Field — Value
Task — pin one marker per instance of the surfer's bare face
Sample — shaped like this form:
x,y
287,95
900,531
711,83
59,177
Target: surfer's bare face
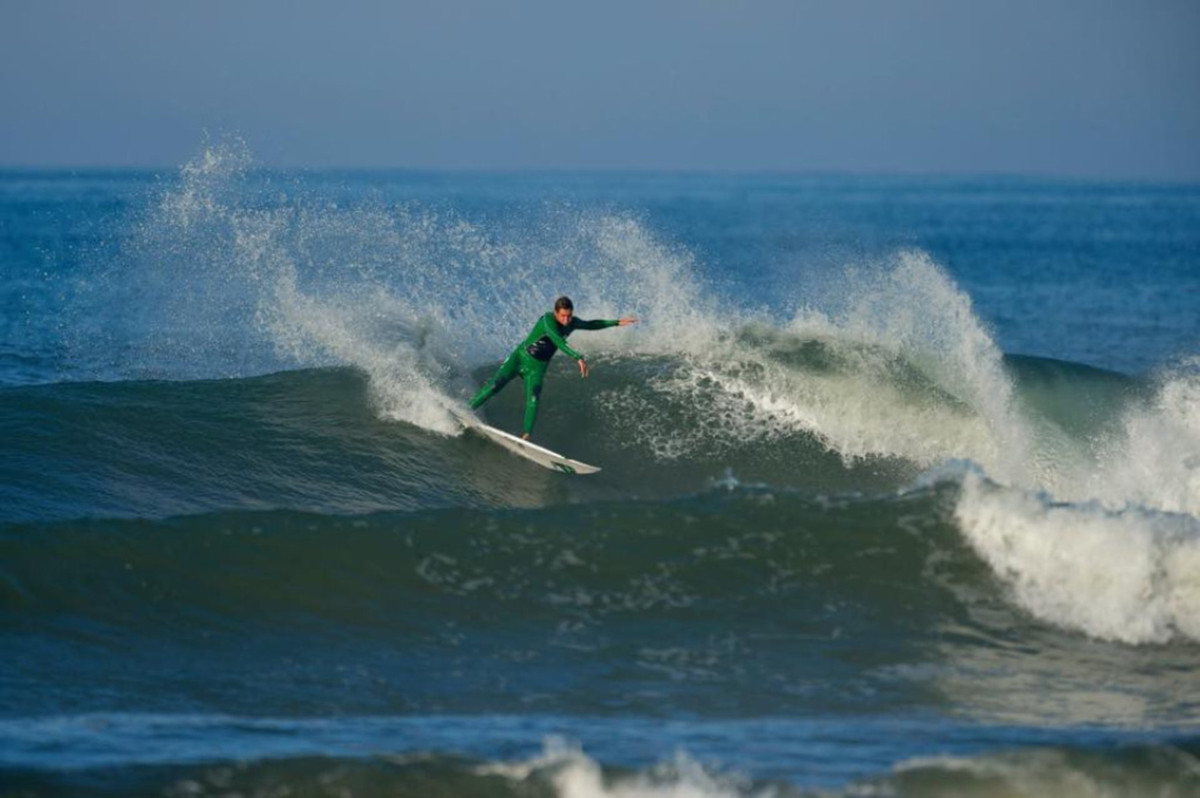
x,y
563,316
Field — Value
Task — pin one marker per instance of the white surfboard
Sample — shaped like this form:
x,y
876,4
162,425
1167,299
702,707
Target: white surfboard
x,y
530,451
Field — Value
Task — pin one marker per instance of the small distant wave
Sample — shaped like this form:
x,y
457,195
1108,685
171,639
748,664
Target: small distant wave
x,y
565,769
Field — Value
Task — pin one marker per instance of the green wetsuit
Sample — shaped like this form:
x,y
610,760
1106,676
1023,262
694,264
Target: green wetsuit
x,y
531,357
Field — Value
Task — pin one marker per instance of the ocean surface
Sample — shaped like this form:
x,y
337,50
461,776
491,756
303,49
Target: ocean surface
x,y
900,490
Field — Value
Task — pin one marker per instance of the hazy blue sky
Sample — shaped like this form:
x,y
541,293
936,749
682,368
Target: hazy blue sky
x,y
1087,87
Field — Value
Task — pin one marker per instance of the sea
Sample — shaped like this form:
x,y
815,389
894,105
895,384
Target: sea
x,y
900,490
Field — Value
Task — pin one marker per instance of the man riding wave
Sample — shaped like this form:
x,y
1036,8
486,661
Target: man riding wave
x,y
532,356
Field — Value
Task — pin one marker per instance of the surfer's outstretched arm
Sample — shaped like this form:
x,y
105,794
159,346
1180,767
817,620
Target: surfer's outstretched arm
x,y
594,324
601,324
598,324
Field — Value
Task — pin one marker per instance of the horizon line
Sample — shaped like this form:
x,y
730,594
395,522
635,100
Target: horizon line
x,y
983,174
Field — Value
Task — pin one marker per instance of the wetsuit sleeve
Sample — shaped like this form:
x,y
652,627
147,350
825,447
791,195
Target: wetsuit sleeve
x,y
598,324
556,339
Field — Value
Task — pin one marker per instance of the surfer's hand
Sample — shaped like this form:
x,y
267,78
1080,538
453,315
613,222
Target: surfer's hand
x,y
621,322
583,367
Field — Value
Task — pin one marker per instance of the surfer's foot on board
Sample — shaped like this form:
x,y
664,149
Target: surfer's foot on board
x,y
525,437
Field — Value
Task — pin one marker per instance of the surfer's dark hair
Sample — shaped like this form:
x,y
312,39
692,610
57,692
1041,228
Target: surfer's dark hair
x,y
564,303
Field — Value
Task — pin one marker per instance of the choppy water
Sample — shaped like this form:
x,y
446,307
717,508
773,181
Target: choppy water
x,y
901,487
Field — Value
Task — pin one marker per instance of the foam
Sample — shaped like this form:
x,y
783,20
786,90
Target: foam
x,y
904,315
1040,771
573,774
1131,575
1155,461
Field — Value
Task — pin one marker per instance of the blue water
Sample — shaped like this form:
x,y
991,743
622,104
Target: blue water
x,y
900,488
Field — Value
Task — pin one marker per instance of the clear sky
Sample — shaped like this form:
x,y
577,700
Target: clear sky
x,y
1094,88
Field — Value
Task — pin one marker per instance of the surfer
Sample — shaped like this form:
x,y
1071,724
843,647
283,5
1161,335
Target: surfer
x,y
532,355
